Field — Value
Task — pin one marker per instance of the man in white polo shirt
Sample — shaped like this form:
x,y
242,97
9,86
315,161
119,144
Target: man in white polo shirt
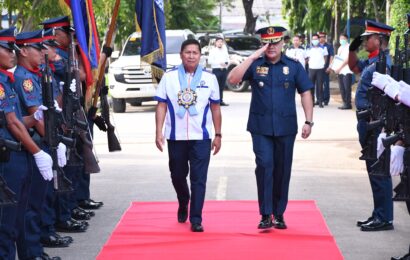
x,y
296,51
317,59
188,102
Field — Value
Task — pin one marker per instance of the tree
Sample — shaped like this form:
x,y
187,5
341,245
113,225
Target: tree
x,y
398,20
250,19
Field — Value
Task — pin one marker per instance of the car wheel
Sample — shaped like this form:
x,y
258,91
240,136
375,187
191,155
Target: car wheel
x,y
118,105
240,87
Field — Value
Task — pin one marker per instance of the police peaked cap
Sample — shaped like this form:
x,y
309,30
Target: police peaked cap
x,y
8,38
271,34
373,27
49,37
61,22
33,39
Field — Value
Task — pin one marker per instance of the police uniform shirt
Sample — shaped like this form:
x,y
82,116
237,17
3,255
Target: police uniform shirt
x,y
317,57
28,87
8,101
273,106
367,67
330,51
298,54
196,127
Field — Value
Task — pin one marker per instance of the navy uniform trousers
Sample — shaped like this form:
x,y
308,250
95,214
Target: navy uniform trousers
x,y
274,155
15,173
382,188
190,157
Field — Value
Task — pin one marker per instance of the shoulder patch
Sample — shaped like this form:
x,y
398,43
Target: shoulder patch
x,y
28,85
2,92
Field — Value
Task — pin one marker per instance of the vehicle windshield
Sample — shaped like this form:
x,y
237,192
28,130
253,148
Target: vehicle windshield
x,y
133,47
243,43
174,44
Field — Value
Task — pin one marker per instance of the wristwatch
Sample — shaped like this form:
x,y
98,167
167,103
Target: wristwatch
x,y
310,123
218,135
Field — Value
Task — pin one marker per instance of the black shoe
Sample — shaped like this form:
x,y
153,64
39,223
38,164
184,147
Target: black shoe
x,y
266,222
195,227
405,257
224,104
347,107
279,222
316,103
44,256
326,103
364,222
54,240
182,213
321,105
377,225
81,214
90,204
71,226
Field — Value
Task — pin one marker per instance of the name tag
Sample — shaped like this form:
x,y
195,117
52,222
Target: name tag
x,y
262,71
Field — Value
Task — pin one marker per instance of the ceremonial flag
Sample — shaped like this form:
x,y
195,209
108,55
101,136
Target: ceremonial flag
x,y
151,23
86,34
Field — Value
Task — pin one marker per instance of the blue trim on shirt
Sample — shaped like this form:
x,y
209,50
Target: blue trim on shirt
x,y
156,98
214,101
205,132
172,115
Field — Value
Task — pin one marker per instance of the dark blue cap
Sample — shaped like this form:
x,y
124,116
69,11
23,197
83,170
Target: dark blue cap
x,y
271,34
61,22
373,27
49,37
8,38
33,39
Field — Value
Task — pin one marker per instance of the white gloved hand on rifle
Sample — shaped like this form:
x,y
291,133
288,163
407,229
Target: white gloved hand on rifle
x,y
61,155
380,81
39,115
380,146
44,164
404,93
73,86
396,160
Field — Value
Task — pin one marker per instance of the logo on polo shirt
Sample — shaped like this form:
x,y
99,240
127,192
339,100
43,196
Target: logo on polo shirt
x,y
28,85
2,93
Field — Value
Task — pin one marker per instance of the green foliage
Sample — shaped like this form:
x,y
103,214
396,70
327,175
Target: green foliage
x,y
398,20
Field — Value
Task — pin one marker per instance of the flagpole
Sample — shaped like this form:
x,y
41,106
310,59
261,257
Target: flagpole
x,y
103,61
348,21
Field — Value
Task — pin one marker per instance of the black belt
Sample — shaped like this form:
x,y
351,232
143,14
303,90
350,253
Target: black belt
x,y
219,69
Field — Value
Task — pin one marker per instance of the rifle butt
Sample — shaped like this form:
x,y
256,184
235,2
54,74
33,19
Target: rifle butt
x,y
113,143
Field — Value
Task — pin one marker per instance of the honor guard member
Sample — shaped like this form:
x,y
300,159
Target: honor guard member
x,y
28,86
82,180
49,237
188,102
376,35
18,172
329,60
272,122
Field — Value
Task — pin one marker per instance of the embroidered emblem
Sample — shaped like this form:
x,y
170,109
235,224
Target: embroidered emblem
x,y
28,85
2,93
262,71
271,30
187,98
286,70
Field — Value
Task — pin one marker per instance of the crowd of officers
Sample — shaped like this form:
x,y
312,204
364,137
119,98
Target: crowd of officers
x,y
32,211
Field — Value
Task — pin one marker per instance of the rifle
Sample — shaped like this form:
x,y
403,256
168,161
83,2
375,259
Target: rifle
x,y
52,123
7,196
113,143
80,123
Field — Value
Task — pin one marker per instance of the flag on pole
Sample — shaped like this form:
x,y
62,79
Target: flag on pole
x,y
151,23
86,34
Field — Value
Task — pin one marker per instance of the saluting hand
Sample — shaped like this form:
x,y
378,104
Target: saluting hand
x,y
216,145
306,130
159,141
259,52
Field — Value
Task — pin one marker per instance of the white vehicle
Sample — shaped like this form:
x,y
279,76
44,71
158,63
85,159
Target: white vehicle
x,y
129,80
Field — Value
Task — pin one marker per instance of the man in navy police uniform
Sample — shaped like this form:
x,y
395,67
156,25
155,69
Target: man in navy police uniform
x,y
274,78
376,36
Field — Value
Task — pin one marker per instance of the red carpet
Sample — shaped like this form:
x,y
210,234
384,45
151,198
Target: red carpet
x,y
149,230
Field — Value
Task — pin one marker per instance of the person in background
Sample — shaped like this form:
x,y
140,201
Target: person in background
x,y
218,59
344,74
317,59
296,51
329,59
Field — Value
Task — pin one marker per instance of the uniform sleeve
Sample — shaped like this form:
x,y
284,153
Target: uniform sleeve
x,y
214,97
5,103
331,51
361,64
161,93
248,73
303,82
27,93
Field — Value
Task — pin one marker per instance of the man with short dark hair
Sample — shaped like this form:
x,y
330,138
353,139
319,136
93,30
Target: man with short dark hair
x,y
218,59
188,103
329,60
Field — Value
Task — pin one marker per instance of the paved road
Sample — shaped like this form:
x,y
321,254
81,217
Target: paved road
x,y
325,169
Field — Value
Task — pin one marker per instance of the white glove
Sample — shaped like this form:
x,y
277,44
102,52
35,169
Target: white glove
x,y
73,86
404,93
39,115
44,164
380,80
61,86
392,89
61,155
396,160
58,108
380,146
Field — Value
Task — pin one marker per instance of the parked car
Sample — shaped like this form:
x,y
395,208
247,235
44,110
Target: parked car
x,y
240,46
130,81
